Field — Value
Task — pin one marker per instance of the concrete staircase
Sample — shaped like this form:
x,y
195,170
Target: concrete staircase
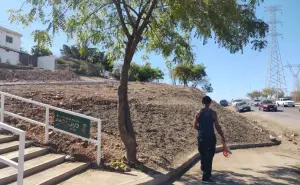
x,y
40,167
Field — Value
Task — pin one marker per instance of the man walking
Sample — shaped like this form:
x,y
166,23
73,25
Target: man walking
x,y
204,122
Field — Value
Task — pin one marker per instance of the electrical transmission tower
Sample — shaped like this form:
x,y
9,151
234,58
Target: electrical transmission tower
x,y
295,75
275,72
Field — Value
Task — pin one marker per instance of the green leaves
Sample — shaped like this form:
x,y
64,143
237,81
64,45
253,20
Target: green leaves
x,y
144,73
167,30
187,72
42,38
269,92
141,73
40,51
254,94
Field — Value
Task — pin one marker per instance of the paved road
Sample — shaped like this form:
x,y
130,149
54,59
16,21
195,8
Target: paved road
x,y
261,166
289,116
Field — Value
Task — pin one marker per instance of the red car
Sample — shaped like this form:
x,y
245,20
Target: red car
x,y
267,105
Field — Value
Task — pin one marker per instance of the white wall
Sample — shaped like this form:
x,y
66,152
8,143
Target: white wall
x,y
47,62
10,56
16,45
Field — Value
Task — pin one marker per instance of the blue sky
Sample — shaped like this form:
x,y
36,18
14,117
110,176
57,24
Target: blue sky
x,y
232,75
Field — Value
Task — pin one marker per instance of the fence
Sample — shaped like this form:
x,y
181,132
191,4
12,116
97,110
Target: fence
x,y
47,125
20,165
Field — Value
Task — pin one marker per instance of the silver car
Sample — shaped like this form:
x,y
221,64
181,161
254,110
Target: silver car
x,y
242,107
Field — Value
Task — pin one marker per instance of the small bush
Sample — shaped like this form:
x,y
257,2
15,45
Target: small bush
x,y
82,70
61,61
116,74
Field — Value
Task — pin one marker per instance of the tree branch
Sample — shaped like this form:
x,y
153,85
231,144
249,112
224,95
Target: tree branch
x,y
130,7
148,15
25,2
141,4
128,14
122,21
141,12
65,10
95,11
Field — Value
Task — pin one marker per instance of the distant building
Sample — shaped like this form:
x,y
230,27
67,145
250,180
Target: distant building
x,y
10,45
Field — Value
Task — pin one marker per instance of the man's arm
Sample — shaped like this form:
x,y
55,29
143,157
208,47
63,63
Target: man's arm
x,y
196,117
218,127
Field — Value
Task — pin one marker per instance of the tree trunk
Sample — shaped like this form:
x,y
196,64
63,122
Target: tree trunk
x,y
124,120
185,83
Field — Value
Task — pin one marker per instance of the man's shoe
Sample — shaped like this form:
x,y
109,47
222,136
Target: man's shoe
x,y
210,181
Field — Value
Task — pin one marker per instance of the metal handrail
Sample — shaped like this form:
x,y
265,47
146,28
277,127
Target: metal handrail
x,y
46,123
20,165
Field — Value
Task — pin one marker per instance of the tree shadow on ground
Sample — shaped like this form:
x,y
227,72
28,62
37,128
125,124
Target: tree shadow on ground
x,y
272,176
137,167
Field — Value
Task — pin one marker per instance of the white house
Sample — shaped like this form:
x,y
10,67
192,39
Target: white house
x,y
10,45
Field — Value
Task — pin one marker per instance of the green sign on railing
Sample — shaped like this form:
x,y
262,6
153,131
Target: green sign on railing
x,y
73,124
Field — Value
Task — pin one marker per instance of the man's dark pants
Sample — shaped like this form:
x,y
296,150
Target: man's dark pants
x,y
207,149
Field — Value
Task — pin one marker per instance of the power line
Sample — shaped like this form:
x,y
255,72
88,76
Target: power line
x,y
275,72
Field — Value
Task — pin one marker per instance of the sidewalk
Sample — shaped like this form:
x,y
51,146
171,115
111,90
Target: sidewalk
x,y
93,177
261,166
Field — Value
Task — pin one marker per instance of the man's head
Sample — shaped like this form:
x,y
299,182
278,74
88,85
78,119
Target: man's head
x,y
206,100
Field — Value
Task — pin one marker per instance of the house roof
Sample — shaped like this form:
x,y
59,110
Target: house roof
x,y
10,31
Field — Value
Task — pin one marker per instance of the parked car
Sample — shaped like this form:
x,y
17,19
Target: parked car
x,y
234,102
242,106
224,103
255,103
285,102
267,105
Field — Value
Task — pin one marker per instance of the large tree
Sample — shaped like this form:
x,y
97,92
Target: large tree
x,y
250,95
254,94
40,51
296,96
269,92
183,72
165,26
189,73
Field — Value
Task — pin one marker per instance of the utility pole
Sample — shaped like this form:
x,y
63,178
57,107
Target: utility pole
x,y
295,74
275,72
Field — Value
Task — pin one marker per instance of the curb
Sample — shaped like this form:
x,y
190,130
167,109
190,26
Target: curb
x,y
190,162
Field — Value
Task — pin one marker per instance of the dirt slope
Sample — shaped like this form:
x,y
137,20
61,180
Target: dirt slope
x,y
162,117
16,75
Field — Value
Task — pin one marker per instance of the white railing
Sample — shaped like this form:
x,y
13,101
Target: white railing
x,y
46,123
20,165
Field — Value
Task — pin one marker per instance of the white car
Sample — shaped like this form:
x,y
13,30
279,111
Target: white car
x,y
234,102
255,103
285,102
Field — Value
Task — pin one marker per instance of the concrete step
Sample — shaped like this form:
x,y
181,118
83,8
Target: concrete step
x,y
9,174
55,175
12,146
30,153
7,138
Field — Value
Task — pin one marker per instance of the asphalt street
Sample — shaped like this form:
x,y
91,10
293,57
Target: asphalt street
x,y
278,165
289,116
